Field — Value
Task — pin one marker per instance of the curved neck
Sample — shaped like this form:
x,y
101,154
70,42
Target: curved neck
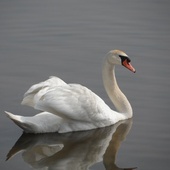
x,y
115,94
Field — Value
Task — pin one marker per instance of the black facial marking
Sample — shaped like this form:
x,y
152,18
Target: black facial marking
x,y
123,58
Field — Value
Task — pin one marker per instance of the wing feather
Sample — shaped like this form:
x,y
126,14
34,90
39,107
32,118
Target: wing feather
x,y
69,101
72,102
30,97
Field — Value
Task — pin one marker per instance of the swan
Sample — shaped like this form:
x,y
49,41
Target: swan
x,y
73,107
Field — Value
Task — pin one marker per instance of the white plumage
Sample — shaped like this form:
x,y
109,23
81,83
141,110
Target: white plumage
x,y
73,107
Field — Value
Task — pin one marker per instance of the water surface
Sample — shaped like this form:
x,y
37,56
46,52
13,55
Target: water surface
x,y
69,39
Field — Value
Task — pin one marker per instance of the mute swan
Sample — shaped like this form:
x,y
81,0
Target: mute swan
x,y
73,107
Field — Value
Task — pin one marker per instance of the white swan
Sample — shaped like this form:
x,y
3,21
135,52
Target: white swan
x,y
73,107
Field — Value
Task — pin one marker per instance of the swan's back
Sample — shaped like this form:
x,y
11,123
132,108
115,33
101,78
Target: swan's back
x,y
69,101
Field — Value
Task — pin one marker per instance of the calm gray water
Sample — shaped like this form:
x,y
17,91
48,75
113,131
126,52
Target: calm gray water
x,y
69,39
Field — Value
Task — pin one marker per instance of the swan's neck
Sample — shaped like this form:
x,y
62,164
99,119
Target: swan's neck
x,y
115,94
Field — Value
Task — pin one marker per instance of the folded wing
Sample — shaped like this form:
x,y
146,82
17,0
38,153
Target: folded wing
x,y
69,101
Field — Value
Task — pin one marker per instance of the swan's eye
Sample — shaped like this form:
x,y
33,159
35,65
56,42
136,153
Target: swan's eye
x,y
128,60
123,58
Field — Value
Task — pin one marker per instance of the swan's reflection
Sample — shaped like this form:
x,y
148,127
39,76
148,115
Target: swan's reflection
x,y
77,150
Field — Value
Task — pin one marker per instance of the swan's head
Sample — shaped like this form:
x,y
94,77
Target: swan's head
x,y
120,58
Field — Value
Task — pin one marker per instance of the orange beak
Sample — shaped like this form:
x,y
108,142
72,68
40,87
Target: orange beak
x,y
128,66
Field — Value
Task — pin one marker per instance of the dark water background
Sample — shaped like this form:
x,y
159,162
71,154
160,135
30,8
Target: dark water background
x,y
69,39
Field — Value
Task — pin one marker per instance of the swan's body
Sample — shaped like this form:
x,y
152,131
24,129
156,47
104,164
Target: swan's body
x,y
73,107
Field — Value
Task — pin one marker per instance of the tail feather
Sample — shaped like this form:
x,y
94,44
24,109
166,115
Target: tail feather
x,y
15,118
26,126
